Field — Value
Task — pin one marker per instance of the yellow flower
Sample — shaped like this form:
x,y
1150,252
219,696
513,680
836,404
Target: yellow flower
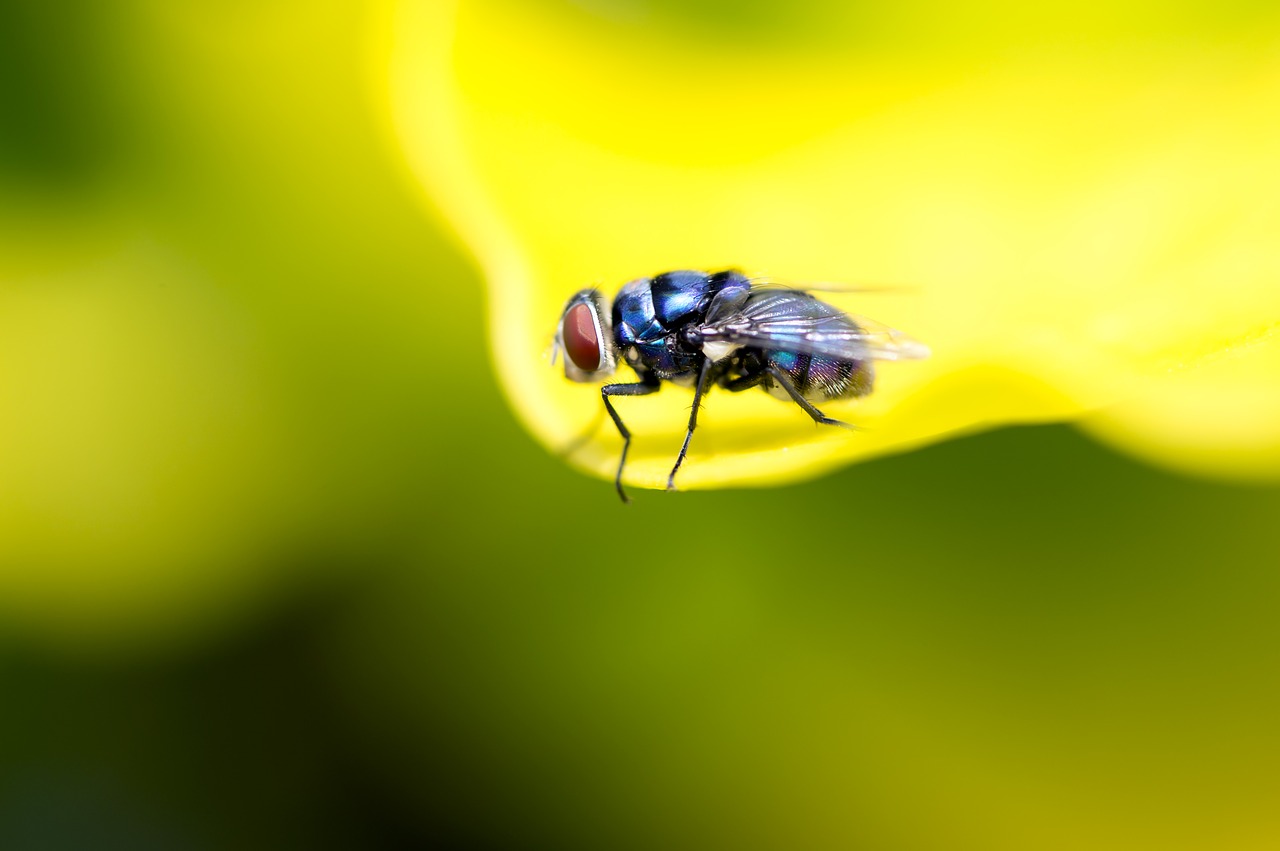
x,y
1083,211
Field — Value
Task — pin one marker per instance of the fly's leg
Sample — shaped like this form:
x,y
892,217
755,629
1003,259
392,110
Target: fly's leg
x,y
642,388
743,382
780,376
703,371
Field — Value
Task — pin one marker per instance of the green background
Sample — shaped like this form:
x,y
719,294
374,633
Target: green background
x,y
279,569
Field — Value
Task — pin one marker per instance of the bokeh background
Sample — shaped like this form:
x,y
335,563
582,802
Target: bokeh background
x,y
278,567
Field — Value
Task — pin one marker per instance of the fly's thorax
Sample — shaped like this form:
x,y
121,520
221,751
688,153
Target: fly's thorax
x,y
685,295
650,313
668,358
681,295
634,320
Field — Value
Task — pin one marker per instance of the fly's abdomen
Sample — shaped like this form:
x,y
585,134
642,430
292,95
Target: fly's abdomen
x,y
818,378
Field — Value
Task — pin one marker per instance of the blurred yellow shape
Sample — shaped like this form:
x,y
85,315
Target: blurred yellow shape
x,y
137,425
199,340
1087,226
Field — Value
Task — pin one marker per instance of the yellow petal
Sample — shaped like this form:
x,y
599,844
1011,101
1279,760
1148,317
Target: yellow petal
x,y
1083,214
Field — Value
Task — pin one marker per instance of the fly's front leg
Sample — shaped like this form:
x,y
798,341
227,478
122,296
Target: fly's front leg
x,y
641,388
780,376
698,390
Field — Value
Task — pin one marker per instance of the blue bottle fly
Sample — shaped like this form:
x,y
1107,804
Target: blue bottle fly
x,y
698,329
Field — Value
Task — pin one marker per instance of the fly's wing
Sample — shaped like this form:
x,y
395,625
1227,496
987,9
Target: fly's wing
x,y
794,321
831,287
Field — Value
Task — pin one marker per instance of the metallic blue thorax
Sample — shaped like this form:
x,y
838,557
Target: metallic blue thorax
x,y
649,311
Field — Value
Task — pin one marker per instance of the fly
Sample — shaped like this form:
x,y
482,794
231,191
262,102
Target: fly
x,y
698,328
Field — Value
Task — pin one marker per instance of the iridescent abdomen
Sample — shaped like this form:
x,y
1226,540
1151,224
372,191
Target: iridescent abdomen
x,y
819,378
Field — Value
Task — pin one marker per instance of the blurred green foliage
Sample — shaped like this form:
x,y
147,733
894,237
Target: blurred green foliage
x,y
56,129
951,28
278,569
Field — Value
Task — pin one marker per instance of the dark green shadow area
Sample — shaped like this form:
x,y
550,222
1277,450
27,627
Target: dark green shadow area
x,y
59,117
527,668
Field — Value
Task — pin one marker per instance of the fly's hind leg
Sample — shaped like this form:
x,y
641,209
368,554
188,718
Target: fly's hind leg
x,y
742,382
780,375
704,370
641,388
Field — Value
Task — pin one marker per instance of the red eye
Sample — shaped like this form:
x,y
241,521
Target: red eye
x,y
581,343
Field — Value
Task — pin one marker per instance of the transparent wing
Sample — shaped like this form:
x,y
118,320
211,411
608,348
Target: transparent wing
x,y
794,321
831,287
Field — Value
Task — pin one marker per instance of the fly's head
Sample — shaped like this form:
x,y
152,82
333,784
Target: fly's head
x,y
585,336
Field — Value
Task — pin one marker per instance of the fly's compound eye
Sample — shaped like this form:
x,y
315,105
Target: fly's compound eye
x,y
581,337
585,337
